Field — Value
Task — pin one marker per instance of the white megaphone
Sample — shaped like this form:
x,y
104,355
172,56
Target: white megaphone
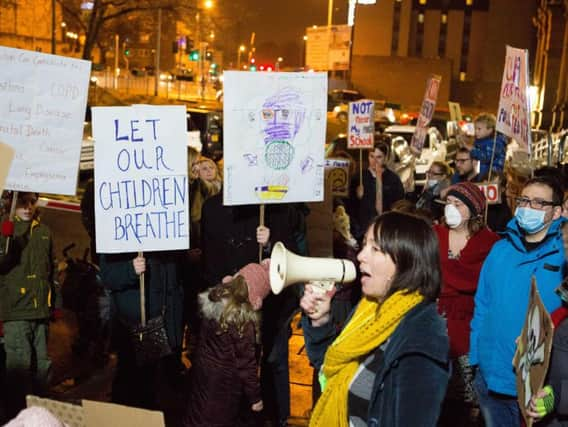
x,y
287,268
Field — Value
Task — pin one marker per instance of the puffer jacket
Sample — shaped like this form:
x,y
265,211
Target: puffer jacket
x,y
26,272
502,299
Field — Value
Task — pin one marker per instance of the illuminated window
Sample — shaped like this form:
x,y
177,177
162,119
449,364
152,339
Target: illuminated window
x,y
422,1
421,18
462,76
444,18
468,2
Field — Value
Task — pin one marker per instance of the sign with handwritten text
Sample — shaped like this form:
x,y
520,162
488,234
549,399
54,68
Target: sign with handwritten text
x,y
338,174
42,109
141,187
514,113
361,129
426,113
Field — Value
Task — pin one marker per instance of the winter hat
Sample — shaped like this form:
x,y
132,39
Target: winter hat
x,y
258,282
35,416
470,195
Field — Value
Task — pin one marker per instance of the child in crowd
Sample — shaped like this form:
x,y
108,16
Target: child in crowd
x,y
485,140
225,385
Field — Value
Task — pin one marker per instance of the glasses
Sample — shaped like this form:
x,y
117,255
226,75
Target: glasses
x,y
534,203
432,173
462,160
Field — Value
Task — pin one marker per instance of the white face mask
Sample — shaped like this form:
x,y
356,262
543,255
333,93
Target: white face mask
x,y
431,183
452,215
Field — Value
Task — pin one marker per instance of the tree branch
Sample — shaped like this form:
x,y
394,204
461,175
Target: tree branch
x,y
73,13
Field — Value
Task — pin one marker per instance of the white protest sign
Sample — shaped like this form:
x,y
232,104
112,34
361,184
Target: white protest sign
x,y
361,128
6,157
274,127
141,186
491,191
513,113
426,112
42,109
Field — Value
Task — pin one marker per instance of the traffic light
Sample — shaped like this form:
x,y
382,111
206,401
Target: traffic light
x,y
253,67
208,55
126,51
194,55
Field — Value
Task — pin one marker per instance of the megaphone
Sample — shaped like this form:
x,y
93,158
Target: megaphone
x,y
287,268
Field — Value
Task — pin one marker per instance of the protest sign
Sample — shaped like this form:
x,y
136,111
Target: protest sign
x,y
513,113
491,192
338,175
42,99
426,113
6,157
361,127
455,111
533,351
141,187
274,137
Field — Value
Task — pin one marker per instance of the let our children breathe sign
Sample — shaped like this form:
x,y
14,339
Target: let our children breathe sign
x,y
141,187
42,109
274,127
361,130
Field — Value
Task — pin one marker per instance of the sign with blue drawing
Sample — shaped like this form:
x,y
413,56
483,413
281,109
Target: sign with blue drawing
x,y
274,136
361,127
141,187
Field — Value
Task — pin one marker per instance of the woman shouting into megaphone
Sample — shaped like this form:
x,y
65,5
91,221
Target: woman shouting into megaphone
x,y
389,365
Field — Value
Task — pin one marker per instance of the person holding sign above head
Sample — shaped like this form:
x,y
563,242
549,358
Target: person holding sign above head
x,y
465,242
389,365
135,384
532,246
26,273
376,193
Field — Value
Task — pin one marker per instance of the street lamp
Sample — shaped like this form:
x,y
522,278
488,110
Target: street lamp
x,y
278,62
208,4
241,49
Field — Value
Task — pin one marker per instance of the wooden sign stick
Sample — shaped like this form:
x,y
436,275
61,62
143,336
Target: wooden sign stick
x,y
142,296
11,216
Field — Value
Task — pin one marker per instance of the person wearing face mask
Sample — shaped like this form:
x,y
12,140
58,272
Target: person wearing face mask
x,y
532,246
438,180
465,242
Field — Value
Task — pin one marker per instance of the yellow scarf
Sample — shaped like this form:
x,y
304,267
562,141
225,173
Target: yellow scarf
x,y
371,325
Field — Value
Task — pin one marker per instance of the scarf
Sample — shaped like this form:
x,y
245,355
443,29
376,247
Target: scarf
x,y
371,325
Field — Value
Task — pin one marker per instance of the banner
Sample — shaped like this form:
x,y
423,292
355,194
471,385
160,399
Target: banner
x,y
141,186
514,113
426,113
361,127
42,103
274,137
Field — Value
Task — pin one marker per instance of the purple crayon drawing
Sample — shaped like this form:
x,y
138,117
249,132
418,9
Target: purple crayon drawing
x,y
307,164
251,158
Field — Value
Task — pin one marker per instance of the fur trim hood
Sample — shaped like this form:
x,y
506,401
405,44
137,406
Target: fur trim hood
x,y
209,309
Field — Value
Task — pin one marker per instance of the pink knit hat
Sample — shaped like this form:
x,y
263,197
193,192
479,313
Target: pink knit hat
x,y
258,282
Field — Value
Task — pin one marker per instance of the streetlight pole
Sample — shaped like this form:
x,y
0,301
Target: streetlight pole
x,y
242,48
53,27
157,59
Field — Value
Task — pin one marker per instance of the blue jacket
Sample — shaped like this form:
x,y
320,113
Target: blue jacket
x,y
483,149
502,298
410,384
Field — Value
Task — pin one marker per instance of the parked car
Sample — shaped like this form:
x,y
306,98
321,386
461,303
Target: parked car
x,y
434,149
185,74
87,157
342,96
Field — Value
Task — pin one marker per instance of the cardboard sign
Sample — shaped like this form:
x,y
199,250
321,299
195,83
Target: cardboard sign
x,y
42,100
513,113
361,126
338,175
533,351
109,414
455,111
274,127
491,191
141,186
426,113
6,157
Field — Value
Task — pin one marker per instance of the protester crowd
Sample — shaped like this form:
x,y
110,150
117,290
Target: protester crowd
x,y
425,336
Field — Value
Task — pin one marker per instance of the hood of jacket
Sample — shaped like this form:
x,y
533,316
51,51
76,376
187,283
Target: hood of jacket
x,y
516,236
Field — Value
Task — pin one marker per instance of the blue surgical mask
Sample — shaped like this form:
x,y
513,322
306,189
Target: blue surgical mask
x,y
529,219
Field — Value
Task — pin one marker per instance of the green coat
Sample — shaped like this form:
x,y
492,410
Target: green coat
x,y
26,272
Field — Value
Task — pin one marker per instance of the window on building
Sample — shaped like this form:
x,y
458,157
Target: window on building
x,y
443,34
396,27
465,41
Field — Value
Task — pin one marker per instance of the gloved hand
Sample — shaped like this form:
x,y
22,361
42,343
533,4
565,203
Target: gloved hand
x,y
542,403
8,228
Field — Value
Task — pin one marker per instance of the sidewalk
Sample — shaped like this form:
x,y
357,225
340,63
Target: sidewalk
x,y
76,379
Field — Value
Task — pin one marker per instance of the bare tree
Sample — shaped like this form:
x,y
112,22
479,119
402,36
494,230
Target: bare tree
x,y
101,12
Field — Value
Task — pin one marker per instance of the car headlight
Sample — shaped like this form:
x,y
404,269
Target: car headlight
x,y
336,109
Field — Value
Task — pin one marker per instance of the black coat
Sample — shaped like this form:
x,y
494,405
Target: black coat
x,y
411,381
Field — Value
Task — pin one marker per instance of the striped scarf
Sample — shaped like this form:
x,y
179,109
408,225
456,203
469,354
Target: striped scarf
x,y
371,325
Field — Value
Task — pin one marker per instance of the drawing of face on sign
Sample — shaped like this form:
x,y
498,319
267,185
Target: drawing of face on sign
x,y
282,117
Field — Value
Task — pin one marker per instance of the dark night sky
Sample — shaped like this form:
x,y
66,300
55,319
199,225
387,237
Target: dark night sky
x,y
280,25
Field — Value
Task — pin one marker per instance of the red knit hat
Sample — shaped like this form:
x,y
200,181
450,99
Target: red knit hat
x,y
258,282
470,195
